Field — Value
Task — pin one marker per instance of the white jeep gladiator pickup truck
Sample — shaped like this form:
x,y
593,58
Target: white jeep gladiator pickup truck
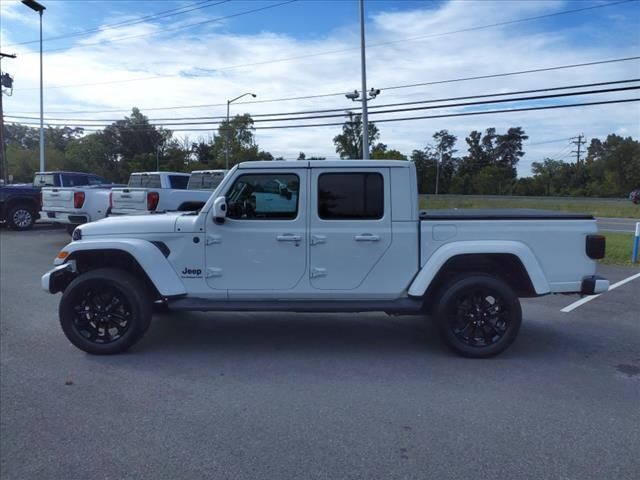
x,y
157,192
346,236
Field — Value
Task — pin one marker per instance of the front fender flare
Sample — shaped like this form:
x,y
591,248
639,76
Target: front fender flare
x,y
428,272
148,256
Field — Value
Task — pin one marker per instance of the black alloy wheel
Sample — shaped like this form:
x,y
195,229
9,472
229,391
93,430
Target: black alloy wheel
x,y
478,315
105,311
102,316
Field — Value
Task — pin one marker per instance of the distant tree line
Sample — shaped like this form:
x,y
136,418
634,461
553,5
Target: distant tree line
x,y
487,165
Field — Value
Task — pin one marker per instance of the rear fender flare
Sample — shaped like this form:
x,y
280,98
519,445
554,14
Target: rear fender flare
x,y
429,271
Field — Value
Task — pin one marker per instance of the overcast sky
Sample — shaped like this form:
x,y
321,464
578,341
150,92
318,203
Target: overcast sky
x,y
304,48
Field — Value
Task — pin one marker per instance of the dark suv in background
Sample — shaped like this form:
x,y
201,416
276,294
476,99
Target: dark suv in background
x,y
20,204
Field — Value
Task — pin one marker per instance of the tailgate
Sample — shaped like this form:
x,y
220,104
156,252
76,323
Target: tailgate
x,y
129,198
53,198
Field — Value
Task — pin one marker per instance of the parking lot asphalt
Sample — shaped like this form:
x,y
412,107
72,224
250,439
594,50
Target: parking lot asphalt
x,y
243,396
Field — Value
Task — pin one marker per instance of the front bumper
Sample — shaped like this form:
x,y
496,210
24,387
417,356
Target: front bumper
x,y
56,279
593,285
67,218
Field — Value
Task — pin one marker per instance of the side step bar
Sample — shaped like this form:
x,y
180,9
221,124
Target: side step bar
x,y
399,306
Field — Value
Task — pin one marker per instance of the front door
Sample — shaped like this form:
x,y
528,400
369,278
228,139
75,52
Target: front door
x,y
350,225
262,243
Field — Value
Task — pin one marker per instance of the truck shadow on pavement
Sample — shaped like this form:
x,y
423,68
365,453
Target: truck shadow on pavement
x,y
349,334
290,332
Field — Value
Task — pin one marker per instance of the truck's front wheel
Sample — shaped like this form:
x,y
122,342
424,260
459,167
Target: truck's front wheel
x,y
104,311
478,315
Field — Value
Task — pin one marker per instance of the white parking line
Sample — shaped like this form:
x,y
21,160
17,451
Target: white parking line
x,y
584,300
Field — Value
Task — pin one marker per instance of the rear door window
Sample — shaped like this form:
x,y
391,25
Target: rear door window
x,y
350,196
96,180
178,182
74,180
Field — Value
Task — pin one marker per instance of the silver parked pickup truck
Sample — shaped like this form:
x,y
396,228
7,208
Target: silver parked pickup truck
x,y
323,236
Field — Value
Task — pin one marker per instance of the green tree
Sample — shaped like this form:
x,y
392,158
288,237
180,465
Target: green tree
x,y
349,142
381,152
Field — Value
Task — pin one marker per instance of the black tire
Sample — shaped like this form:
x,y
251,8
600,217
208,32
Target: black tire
x,y
21,217
105,311
70,229
477,315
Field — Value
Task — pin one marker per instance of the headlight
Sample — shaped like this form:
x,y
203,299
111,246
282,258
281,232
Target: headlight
x,y
77,234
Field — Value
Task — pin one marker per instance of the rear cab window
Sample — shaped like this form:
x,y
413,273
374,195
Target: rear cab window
x,y
205,180
147,180
351,196
45,180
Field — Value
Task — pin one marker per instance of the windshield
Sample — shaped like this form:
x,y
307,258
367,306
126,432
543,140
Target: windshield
x,y
146,180
205,180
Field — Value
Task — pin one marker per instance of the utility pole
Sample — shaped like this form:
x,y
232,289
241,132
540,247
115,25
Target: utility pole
x,y
365,117
579,142
438,162
5,81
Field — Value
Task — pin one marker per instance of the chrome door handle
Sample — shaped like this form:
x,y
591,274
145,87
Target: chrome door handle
x,y
289,238
367,237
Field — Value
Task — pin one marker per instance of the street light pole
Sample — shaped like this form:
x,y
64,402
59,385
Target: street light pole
x,y
33,5
228,133
41,102
365,118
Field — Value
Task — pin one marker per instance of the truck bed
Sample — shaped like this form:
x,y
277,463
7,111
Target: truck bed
x,y
501,214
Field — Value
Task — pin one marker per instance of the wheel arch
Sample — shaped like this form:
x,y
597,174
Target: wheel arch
x,y
28,201
143,259
513,262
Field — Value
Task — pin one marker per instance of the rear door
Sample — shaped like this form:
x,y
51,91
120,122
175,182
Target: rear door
x,y
350,225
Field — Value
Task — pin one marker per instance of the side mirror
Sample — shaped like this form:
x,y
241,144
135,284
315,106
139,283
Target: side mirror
x,y
219,210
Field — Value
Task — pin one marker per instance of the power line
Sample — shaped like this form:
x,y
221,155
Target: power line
x,y
170,29
128,23
405,40
551,141
417,102
437,82
179,122
385,120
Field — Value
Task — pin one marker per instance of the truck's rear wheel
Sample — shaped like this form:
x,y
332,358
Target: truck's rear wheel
x,y
478,315
104,311
21,217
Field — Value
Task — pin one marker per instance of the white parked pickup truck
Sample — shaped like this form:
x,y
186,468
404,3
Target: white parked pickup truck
x,y
73,206
347,236
158,192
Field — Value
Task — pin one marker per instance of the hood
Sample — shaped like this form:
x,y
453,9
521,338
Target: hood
x,y
154,223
